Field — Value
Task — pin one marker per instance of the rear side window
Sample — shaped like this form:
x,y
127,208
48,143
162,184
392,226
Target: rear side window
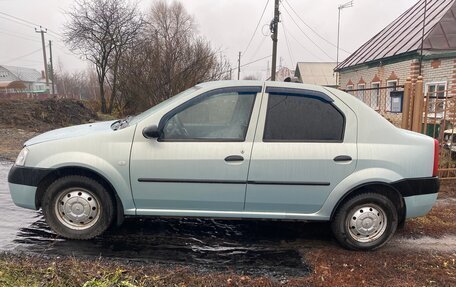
x,y
293,117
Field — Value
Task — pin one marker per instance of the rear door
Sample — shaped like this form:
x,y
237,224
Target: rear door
x,y
304,146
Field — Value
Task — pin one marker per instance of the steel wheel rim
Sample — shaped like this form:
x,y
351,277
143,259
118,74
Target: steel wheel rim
x,y
77,208
366,223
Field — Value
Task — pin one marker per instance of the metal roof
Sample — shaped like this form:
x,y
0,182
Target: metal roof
x,y
23,74
404,34
316,73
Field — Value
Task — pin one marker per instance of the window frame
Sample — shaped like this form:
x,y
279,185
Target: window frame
x,y
360,93
308,94
349,89
388,94
435,97
254,90
377,107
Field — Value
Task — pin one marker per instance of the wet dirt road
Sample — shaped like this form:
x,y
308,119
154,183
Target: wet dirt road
x,y
246,247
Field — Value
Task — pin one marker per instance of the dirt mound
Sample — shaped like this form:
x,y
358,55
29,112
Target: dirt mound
x,y
43,115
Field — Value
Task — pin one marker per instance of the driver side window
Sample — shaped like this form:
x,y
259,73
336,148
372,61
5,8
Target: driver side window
x,y
217,117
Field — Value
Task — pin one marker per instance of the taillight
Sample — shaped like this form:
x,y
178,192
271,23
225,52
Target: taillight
x,y
435,170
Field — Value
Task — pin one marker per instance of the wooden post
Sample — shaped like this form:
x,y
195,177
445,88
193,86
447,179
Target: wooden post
x,y
418,103
406,104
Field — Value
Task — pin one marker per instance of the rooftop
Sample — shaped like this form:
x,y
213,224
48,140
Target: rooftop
x,y
316,73
404,35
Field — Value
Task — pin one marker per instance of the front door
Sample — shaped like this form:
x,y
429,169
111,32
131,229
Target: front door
x,y
304,147
201,160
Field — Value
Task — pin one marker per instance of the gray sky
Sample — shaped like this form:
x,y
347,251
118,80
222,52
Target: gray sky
x,y
227,24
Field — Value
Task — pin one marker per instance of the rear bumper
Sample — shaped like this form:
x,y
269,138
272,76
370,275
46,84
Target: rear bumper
x,y
419,194
417,186
419,205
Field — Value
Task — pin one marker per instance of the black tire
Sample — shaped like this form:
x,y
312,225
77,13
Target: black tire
x,y
357,224
74,193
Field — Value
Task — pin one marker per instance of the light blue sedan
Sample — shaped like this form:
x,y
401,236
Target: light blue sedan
x,y
234,149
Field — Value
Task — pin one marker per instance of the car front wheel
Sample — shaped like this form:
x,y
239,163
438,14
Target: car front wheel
x,y
365,222
78,207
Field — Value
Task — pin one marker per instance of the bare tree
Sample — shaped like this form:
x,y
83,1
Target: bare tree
x,y
100,31
168,58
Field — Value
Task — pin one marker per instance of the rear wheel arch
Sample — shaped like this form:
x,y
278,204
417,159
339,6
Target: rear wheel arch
x,y
82,171
375,187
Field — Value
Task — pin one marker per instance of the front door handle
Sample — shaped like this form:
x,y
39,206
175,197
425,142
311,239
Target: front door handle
x,y
232,158
342,158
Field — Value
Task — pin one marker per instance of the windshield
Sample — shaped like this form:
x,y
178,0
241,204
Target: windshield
x,y
169,101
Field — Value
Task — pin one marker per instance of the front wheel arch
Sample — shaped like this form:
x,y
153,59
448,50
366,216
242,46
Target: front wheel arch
x,y
75,170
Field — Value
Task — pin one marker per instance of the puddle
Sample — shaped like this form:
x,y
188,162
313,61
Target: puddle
x,y
270,248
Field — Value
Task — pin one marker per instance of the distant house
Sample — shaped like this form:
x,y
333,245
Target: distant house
x,y
19,80
282,73
382,64
318,73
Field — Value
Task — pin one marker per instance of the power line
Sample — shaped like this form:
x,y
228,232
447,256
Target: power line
x,y
23,56
17,36
19,19
24,22
249,63
259,46
312,41
304,47
256,28
313,30
288,44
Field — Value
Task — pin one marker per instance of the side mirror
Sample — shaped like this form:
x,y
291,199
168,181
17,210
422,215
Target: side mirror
x,y
151,132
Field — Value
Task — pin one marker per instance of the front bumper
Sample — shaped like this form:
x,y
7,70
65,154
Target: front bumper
x,y
23,182
23,195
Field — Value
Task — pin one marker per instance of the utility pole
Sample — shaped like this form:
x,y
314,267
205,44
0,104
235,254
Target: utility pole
x,y
342,6
239,66
42,31
274,27
52,67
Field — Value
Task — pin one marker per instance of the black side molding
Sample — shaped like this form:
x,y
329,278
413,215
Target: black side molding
x,y
417,186
25,175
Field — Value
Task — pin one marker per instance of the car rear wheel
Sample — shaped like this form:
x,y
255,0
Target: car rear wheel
x,y
78,207
365,222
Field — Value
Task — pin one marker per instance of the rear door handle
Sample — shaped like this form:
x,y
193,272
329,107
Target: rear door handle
x,y
232,158
342,158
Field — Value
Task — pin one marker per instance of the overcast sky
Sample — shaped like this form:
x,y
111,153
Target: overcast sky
x,y
227,24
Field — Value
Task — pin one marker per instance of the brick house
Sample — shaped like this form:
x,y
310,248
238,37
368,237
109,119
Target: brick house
x,y
399,51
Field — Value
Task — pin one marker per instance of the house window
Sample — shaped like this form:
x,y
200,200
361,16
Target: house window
x,y
392,86
375,95
350,89
360,92
3,74
436,93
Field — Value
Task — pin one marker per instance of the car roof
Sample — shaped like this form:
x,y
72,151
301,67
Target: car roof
x,y
230,83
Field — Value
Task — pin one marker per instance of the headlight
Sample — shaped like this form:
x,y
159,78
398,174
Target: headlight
x,y
22,156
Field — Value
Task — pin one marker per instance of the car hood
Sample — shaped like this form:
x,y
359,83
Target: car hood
x,y
70,132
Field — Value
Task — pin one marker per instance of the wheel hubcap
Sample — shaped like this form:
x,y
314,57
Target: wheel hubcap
x,y
77,209
367,223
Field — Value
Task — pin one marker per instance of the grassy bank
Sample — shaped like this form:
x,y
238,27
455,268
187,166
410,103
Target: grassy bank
x,y
332,267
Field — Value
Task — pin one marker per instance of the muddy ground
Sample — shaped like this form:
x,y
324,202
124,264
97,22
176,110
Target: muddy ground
x,y
192,252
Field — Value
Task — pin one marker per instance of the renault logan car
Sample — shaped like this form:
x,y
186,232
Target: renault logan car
x,y
234,149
